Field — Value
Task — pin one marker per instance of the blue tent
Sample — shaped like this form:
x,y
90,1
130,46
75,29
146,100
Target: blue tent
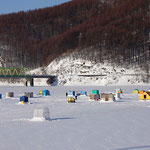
x,y
0,96
46,93
77,93
71,93
24,99
83,93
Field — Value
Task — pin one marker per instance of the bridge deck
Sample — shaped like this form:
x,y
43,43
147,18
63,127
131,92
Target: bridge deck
x,y
27,76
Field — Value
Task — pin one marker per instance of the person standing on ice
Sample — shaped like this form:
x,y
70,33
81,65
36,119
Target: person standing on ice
x,y
66,94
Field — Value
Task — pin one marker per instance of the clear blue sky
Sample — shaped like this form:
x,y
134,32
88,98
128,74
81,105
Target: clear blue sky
x,y
9,6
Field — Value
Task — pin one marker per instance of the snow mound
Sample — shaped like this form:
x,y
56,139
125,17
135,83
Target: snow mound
x,y
37,119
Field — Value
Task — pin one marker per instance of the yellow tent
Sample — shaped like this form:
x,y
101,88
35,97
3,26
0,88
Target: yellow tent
x,y
136,91
71,100
41,92
145,96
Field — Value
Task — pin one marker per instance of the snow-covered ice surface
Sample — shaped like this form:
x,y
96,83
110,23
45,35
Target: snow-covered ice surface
x,y
84,125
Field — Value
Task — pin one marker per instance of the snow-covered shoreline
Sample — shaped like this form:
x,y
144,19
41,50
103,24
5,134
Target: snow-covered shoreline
x,y
68,70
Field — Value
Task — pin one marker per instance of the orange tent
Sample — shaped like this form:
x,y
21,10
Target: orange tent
x,y
142,91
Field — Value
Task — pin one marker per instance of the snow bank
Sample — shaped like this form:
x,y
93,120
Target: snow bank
x,y
69,70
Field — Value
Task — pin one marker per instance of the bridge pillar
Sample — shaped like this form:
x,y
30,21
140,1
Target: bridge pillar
x,y
31,82
25,82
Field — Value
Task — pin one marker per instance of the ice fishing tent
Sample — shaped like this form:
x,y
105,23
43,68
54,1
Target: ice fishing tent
x,y
95,91
9,94
107,97
71,93
71,100
77,93
28,94
120,91
83,93
41,92
46,93
0,96
145,96
23,99
135,91
142,91
41,114
94,97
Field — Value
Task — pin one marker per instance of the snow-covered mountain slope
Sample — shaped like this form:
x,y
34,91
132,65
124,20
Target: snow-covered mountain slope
x,y
69,70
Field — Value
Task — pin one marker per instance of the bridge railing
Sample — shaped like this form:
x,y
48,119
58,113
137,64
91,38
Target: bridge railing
x,y
14,71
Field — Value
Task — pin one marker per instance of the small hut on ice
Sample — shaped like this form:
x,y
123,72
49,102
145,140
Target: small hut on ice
x,y
83,93
9,94
28,94
135,91
71,93
107,97
141,92
24,99
46,93
145,96
95,95
41,114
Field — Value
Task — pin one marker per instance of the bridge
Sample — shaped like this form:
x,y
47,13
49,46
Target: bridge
x,y
30,78
25,74
22,73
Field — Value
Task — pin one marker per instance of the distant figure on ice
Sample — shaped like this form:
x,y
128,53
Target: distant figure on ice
x,y
66,94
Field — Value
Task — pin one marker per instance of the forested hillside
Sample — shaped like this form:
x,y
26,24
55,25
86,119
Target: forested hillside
x,y
119,30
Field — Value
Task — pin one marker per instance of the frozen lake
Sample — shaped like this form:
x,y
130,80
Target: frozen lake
x,y
84,125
